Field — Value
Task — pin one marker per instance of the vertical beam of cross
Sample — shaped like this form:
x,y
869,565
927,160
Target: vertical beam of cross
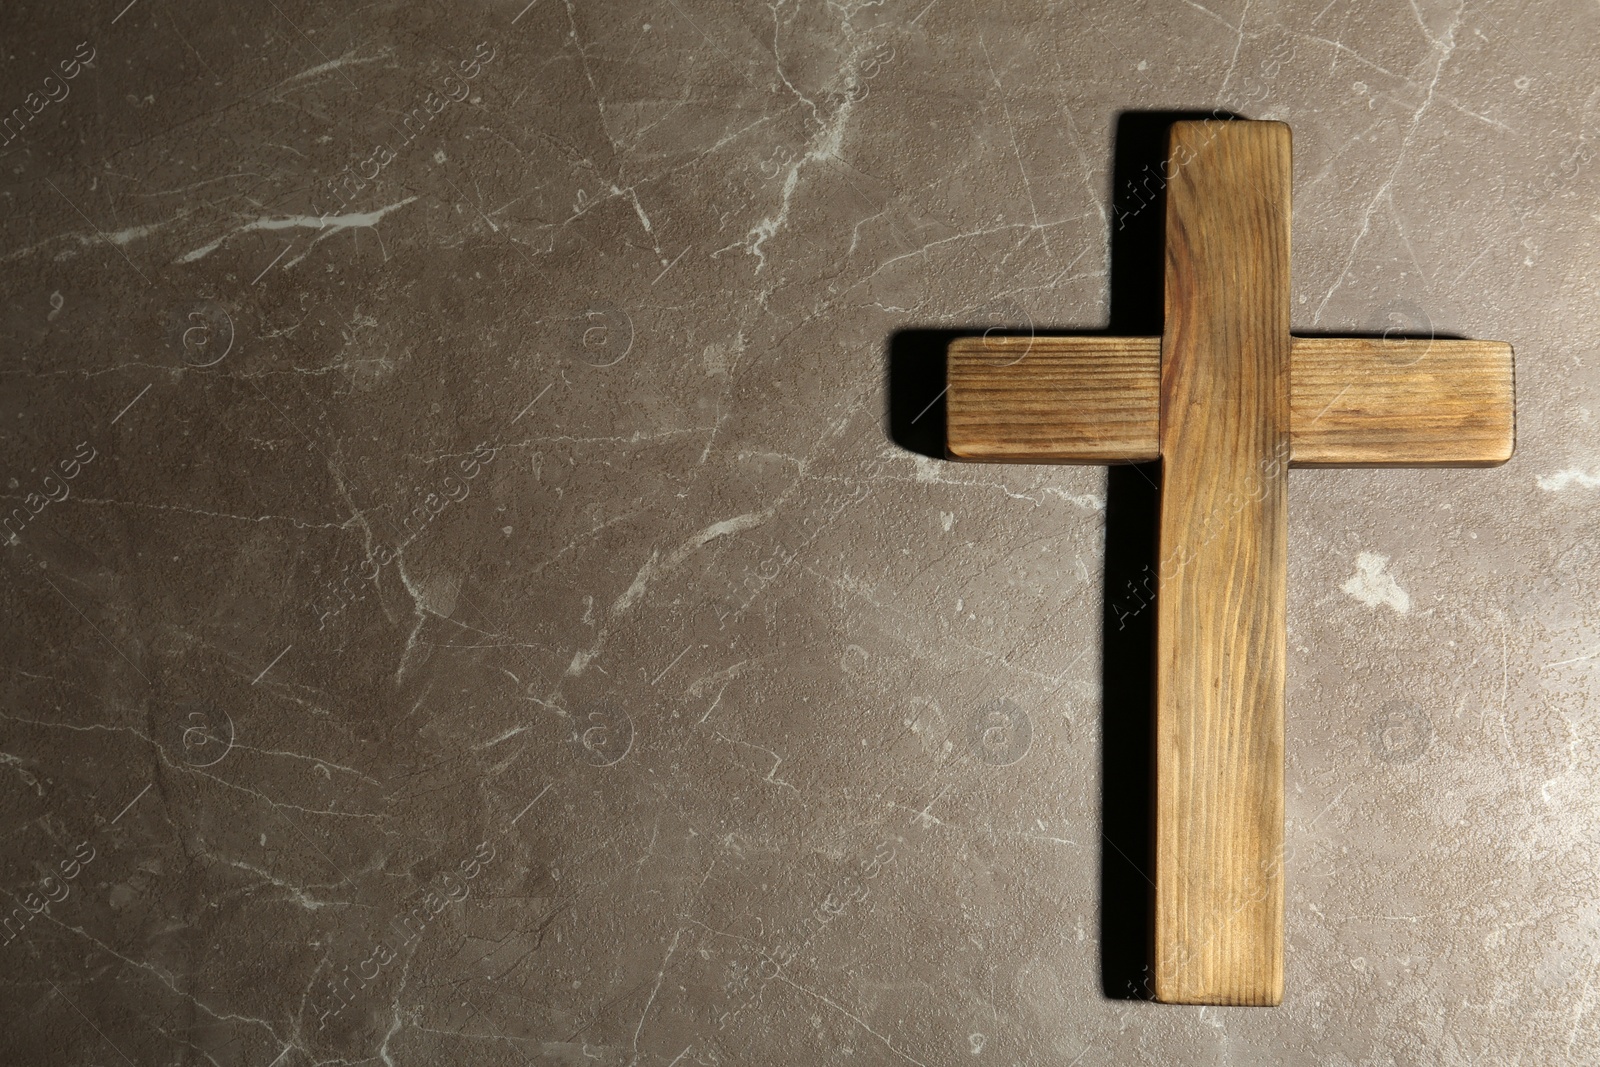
x,y
1222,584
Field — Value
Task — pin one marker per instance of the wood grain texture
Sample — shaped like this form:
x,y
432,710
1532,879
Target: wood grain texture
x,y
1053,399
1370,402
1222,581
1353,401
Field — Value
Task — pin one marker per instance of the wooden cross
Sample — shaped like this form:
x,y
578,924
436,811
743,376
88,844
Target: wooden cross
x,y
1228,401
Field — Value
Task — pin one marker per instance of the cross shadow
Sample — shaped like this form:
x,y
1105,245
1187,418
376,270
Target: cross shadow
x,y
916,418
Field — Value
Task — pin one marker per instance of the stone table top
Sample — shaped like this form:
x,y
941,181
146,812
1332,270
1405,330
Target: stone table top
x,y
467,600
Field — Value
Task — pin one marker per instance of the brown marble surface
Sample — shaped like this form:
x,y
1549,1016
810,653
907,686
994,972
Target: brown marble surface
x,y
463,604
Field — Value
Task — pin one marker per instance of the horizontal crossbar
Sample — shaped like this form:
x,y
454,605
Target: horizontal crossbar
x,y
1354,401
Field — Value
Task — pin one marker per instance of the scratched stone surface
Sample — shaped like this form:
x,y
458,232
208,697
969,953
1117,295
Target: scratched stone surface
x,y
463,603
